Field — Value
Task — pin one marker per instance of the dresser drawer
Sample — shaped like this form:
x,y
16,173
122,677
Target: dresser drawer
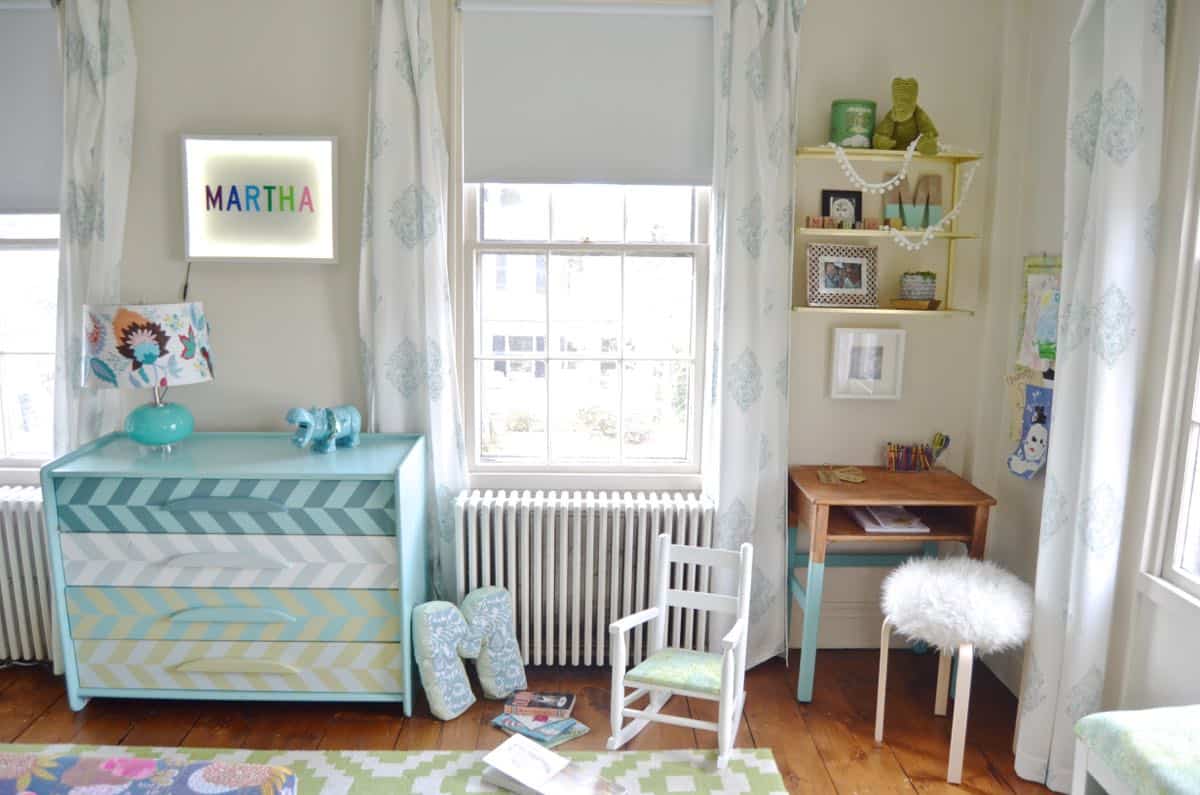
x,y
240,666
233,614
219,505
234,561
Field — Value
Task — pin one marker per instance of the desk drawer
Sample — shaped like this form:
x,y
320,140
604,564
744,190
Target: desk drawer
x,y
238,561
233,614
240,666
214,505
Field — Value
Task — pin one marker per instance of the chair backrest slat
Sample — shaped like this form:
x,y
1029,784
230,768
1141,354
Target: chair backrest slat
x,y
705,556
702,601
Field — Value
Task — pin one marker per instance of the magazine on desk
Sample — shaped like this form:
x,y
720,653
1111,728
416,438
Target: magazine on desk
x,y
888,519
522,766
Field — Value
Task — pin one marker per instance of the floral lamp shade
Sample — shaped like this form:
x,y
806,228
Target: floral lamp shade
x,y
148,346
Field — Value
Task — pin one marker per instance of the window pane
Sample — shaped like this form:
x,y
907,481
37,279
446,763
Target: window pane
x,y
658,306
32,226
512,410
516,212
588,212
656,396
511,312
583,411
27,403
28,295
585,304
658,214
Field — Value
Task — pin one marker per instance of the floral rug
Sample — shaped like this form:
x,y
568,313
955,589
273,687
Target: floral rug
x,y
423,772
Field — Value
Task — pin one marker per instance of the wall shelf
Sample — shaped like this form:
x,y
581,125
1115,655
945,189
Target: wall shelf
x,y
883,155
881,310
953,162
808,231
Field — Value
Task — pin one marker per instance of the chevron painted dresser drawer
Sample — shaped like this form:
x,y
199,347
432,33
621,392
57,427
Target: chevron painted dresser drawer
x,y
237,566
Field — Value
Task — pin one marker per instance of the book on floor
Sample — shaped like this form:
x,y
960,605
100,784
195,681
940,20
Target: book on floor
x,y
549,733
888,519
551,705
522,766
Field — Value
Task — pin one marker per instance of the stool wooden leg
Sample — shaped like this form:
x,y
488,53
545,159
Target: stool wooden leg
x,y
943,682
962,701
885,634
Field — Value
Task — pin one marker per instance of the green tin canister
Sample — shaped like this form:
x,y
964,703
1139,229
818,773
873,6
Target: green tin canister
x,y
852,123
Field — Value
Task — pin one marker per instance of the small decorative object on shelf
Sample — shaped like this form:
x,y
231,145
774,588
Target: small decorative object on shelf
x,y
907,122
152,346
918,207
916,306
852,122
325,429
840,275
918,286
843,206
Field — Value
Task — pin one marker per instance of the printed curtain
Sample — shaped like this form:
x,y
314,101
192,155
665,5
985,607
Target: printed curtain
x,y
405,314
1114,151
99,79
746,440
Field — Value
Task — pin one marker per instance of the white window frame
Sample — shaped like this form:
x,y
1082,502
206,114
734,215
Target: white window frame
x,y
648,476
23,471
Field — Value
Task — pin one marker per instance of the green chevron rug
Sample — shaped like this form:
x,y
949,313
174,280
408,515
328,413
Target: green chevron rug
x,y
453,772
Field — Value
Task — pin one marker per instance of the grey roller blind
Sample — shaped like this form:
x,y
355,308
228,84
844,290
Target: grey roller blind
x,y
610,92
31,108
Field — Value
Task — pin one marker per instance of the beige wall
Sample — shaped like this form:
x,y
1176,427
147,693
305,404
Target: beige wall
x,y
283,335
854,49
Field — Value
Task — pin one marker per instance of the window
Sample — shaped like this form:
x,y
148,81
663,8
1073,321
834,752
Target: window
x,y
586,354
28,297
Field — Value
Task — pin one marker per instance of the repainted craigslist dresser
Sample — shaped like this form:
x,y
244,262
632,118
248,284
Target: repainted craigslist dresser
x,y
237,566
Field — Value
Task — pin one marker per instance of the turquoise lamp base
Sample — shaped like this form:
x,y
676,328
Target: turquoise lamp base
x,y
159,425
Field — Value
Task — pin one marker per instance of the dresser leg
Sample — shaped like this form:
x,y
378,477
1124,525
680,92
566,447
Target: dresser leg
x,y
77,703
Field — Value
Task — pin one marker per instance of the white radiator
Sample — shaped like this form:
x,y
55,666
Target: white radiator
x,y
575,562
26,618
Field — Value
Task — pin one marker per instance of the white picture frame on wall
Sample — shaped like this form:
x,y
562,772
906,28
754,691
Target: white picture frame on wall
x,y
260,227
868,364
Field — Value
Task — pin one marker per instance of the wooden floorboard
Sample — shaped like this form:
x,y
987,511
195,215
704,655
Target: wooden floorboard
x,y
823,747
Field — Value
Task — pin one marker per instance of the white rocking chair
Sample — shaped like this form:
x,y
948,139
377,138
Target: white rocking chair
x,y
667,671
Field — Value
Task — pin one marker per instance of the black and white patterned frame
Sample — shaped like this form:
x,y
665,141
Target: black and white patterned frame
x,y
822,254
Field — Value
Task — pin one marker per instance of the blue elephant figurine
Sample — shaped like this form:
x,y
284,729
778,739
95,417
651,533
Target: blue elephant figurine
x,y
325,429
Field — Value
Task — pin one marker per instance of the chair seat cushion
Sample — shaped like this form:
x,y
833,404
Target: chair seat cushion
x,y
1151,750
950,601
679,669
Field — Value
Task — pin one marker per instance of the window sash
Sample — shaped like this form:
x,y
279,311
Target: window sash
x,y
37,228
478,349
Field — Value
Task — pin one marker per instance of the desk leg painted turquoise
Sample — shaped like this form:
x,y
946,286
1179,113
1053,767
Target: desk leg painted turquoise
x,y
808,596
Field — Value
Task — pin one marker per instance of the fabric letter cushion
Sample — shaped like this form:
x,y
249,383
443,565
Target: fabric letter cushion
x,y
440,635
501,670
1151,750
680,669
50,774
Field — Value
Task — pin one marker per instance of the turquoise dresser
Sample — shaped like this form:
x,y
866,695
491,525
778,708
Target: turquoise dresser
x,y
238,567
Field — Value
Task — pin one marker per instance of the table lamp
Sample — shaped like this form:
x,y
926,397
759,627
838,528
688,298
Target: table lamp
x,y
153,346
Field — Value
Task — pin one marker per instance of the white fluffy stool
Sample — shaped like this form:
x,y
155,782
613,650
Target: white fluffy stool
x,y
953,604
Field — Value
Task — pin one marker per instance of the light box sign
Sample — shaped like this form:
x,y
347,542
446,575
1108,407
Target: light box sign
x,y
259,198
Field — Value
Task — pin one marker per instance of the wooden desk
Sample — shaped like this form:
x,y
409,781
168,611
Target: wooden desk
x,y
953,508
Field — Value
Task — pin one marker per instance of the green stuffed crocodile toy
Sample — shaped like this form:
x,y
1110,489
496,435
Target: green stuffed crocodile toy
x,y
906,120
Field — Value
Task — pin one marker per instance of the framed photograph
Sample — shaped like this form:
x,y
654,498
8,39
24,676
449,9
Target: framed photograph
x,y
868,363
841,275
842,205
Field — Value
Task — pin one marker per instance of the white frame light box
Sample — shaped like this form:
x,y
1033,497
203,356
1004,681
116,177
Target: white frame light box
x,y
868,364
268,233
